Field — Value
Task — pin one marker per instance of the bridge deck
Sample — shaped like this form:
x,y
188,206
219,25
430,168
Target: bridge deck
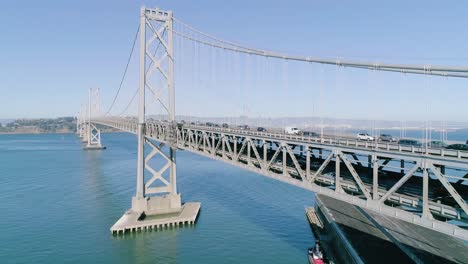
x,y
271,154
376,237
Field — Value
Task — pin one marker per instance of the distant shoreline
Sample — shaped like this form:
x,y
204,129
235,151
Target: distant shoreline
x,y
52,133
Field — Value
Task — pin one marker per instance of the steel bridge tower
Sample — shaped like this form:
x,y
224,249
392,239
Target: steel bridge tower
x,y
158,194
92,135
162,63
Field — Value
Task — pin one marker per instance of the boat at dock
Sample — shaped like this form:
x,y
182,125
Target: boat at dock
x,y
315,254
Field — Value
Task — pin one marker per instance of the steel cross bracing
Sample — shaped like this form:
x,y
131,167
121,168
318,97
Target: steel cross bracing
x,y
156,67
92,134
277,156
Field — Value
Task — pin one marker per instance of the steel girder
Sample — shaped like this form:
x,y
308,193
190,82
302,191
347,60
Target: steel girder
x,y
244,151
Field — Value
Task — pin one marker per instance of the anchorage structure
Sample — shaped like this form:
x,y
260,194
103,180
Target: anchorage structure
x,y
158,195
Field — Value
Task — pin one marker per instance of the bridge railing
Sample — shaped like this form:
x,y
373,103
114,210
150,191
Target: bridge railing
x,y
458,154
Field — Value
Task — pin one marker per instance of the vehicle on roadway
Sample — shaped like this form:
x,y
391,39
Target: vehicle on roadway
x,y
387,138
292,131
409,142
261,129
463,147
365,136
224,125
244,127
437,144
310,134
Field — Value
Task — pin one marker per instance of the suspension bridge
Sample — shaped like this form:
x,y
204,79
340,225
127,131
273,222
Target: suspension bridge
x,y
403,182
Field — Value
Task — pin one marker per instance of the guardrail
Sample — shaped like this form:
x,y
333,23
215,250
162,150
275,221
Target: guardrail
x,y
369,145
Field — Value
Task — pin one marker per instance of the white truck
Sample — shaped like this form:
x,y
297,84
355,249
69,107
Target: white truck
x,y
292,131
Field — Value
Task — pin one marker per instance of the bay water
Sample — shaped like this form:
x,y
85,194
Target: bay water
x,y
58,202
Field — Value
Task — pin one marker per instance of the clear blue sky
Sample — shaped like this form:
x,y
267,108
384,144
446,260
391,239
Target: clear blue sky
x,y
53,51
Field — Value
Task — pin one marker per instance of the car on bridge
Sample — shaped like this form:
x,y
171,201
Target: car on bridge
x,y
261,129
310,134
292,131
463,147
224,125
243,127
387,138
365,136
409,142
437,144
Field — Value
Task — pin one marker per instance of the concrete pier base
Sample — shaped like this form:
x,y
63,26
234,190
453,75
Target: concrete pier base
x,y
133,221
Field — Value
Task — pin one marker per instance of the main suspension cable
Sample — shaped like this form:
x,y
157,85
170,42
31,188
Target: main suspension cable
x,y
131,101
213,37
125,72
461,72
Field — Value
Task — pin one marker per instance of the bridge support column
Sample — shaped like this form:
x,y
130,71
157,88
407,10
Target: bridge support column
x,y
307,162
425,195
249,147
234,140
375,177
223,141
285,167
337,172
213,142
265,151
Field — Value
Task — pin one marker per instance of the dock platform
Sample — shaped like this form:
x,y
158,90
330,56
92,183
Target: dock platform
x,y
132,221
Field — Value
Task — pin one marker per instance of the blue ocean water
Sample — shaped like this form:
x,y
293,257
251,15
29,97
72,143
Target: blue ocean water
x,y
58,203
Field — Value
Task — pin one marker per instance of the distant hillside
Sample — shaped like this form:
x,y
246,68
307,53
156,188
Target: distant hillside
x,y
39,126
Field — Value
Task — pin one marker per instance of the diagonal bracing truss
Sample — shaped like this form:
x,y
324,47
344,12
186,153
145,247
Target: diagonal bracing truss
x,y
156,76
